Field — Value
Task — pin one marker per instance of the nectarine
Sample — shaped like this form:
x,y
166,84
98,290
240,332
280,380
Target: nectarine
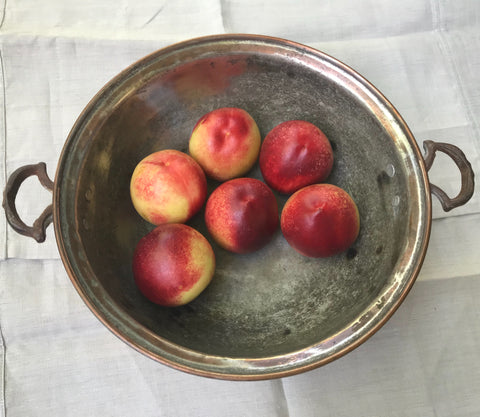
x,y
173,264
320,220
242,215
226,143
295,154
168,187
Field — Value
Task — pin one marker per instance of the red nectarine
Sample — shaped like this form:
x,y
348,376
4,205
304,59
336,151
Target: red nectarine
x,y
295,154
173,264
242,215
320,220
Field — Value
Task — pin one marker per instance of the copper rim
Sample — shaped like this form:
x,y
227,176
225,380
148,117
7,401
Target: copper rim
x,y
273,362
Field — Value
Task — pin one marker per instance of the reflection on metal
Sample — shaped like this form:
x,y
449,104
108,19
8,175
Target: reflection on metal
x,y
271,313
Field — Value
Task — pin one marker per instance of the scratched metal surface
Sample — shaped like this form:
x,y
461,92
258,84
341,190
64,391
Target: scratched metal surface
x,y
273,312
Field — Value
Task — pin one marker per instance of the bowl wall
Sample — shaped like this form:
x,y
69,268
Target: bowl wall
x,y
274,302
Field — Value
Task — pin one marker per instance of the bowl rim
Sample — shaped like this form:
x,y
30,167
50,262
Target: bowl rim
x,y
253,368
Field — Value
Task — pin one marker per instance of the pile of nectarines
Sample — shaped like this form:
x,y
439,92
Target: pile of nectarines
x,y
174,263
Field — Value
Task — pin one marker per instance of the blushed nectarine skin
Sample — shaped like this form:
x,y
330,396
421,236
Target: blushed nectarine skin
x,y
173,264
226,143
242,215
320,220
295,154
168,187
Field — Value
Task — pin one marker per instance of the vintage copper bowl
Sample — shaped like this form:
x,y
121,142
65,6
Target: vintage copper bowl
x,y
274,312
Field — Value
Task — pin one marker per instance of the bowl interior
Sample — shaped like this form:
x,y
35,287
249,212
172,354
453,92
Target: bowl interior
x,y
272,302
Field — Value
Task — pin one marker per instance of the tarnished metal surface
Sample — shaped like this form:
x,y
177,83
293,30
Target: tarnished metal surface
x,y
38,230
274,312
464,166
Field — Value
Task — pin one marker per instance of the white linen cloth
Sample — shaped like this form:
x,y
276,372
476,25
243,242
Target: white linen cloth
x,y
58,360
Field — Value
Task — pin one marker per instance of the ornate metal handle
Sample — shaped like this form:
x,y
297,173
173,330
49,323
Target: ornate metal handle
x,y
468,182
38,230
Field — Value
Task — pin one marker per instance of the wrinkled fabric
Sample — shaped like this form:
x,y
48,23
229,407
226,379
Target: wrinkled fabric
x,y
59,360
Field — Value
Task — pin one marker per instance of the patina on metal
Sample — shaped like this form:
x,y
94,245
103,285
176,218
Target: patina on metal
x,y
271,313
466,171
38,230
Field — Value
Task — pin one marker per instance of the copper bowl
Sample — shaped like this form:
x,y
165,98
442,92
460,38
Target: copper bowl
x,y
271,313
